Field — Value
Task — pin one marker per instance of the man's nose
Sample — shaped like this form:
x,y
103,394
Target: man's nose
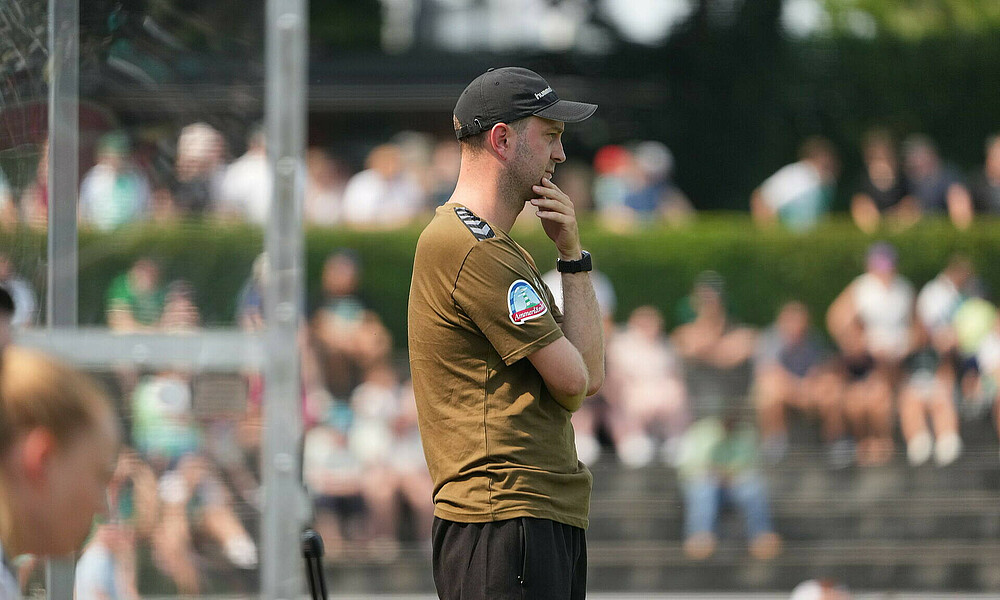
x,y
559,155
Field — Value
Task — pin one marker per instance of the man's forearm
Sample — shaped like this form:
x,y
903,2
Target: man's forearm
x,y
583,325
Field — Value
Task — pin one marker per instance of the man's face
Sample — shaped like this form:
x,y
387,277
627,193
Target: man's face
x,y
538,148
77,479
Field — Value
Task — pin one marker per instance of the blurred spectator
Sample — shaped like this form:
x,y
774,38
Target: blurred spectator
x,y
135,298
250,302
871,322
614,170
974,324
644,390
334,476
198,169
247,184
445,163
655,196
986,184
883,191
937,188
35,197
384,194
409,466
715,349
180,312
325,181
8,210
7,309
25,307
348,337
799,195
820,589
795,370
717,462
113,192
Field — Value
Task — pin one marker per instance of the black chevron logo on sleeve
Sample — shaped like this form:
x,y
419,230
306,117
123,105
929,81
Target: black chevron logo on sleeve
x,y
477,226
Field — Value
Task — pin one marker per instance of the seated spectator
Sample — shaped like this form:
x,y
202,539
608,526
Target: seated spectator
x,y
717,462
247,185
113,192
986,184
933,368
325,181
937,188
793,369
656,196
407,461
799,195
23,295
715,349
199,167
871,323
384,194
348,336
135,298
884,192
644,390
333,476
35,196
8,210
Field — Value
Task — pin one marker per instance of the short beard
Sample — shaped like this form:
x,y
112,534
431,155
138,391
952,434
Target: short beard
x,y
515,184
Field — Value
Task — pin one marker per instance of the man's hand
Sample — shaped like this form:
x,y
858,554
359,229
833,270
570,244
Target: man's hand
x,y
558,217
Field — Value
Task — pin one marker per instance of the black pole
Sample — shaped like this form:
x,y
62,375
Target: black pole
x,y
312,551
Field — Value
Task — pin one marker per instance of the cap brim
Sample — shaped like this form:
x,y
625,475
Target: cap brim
x,y
567,111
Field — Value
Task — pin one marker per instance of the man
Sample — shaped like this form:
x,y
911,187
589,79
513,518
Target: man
x,y
497,368
799,195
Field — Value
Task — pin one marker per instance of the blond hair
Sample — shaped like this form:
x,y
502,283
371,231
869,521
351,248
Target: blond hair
x,y
37,391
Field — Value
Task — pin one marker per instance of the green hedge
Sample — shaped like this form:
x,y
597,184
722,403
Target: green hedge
x,y
654,265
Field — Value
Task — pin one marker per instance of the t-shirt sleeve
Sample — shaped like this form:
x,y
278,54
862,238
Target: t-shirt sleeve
x,y
498,291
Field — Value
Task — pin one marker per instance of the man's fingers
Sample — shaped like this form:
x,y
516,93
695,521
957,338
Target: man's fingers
x,y
553,204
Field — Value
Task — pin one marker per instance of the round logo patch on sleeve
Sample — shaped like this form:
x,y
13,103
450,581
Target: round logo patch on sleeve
x,y
524,303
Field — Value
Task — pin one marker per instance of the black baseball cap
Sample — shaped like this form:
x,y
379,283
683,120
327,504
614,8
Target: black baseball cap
x,y
507,94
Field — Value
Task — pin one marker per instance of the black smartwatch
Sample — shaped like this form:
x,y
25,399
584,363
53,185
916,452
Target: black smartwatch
x,y
575,266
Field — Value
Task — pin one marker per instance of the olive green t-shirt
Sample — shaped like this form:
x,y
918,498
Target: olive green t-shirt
x,y
498,445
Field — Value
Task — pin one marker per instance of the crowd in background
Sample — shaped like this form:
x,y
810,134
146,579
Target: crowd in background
x,y
711,399
404,178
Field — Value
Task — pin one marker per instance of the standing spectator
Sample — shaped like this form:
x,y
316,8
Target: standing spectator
x,y
198,169
799,194
8,210
794,370
25,307
247,185
325,181
717,462
645,393
384,194
883,191
938,188
986,183
135,298
871,322
113,192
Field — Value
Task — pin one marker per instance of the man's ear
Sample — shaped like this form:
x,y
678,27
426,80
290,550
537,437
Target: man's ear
x,y
37,451
500,140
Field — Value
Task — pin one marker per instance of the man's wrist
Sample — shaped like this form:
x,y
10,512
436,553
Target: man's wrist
x,y
579,265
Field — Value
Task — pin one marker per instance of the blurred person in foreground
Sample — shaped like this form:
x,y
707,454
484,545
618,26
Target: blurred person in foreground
x,y
871,322
499,443
718,462
986,183
113,192
58,449
937,187
883,192
799,195
793,369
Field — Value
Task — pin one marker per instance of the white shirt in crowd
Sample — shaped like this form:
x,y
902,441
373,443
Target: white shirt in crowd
x,y
246,188
937,302
371,199
885,311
